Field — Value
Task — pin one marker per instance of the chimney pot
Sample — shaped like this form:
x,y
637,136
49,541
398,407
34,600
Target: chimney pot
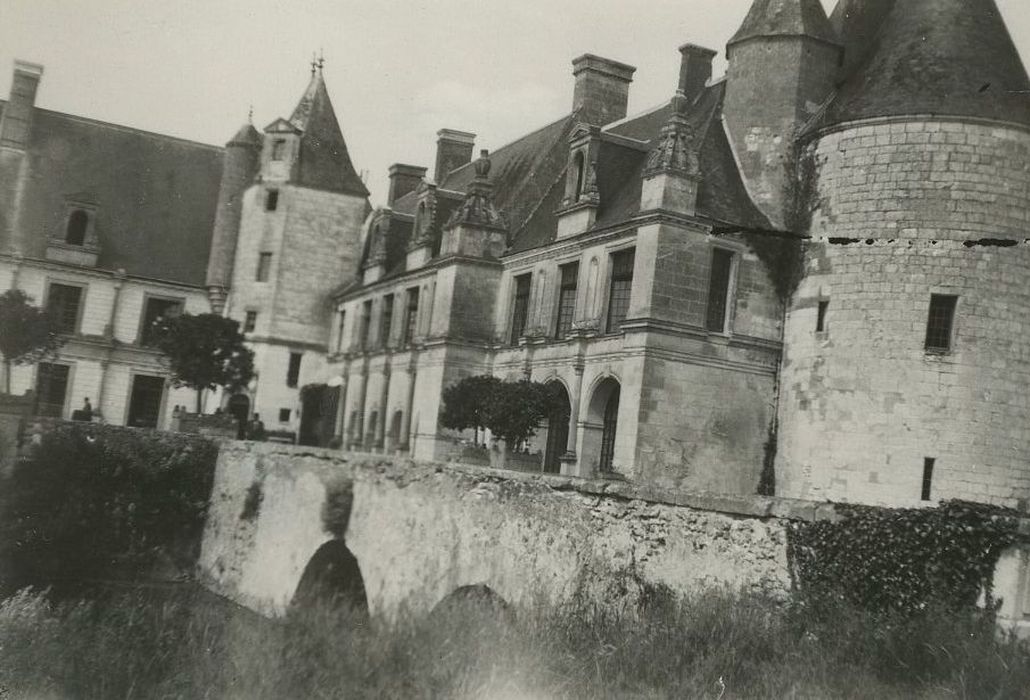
x,y
403,179
453,150
601,95
695,70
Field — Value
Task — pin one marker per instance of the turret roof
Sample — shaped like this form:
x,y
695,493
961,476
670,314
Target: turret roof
x,y
785,18
946,57
324,162
246,136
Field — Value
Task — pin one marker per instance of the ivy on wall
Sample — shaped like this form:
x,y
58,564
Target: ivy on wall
x,y
900,561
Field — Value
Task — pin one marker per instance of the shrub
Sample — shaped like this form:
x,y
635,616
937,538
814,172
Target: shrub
x,y
510,410
94,501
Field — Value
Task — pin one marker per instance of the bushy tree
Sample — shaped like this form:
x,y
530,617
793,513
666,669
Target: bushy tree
x,y
510,410
204,351
27,334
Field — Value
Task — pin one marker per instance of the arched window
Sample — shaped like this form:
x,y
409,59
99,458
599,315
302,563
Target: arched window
x,y
579,172
78,222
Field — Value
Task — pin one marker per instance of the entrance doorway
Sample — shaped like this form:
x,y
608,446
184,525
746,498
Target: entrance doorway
x,y
51,389
145,401
239,408
557,429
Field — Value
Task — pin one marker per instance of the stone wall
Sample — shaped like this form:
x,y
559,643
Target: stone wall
x,y
905,210
420,530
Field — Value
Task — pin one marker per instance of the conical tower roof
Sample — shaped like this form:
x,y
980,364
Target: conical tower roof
x,y
246,136
769,18
944,57
323,162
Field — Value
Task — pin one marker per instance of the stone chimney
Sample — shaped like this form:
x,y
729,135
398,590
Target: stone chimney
x,y
453,150
403,179
695,70
602,89
17,115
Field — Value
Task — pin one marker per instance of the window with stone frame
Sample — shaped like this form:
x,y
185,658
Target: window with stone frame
x,y
293,370
271,200
719,290
940,322
520,307
279,149
619,289
567,299
386,322
264,267
64,303
78,225
411,317
366,325
155,309
250,322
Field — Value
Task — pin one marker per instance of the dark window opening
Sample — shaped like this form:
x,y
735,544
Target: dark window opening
x,y
251,322
719,290
271,200
928,465
520,308
284,415
620,288
145,401
820,322
366,324
278,149
155,310
387,321
411,322
940,322
579,171
63,303
610,425
78,222
51,389
293,372
264,266
339,331
567,299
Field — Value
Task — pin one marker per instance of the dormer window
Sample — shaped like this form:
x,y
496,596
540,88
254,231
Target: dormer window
x,y
78,223
279,149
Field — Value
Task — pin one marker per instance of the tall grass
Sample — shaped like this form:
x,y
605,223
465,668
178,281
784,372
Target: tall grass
x,y
147,644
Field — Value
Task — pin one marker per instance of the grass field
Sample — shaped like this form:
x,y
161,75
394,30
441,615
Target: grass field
x,y
186,643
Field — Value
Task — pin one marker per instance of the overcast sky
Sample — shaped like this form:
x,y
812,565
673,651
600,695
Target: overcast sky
x,y
397,70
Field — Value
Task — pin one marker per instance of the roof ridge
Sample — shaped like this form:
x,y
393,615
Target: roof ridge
x,y
124,128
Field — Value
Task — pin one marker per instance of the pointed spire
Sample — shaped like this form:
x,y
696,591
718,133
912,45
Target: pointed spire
x,y
324,162
770,18
478,208
943,57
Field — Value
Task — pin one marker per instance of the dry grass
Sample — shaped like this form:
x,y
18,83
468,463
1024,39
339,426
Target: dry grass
x,y
188,644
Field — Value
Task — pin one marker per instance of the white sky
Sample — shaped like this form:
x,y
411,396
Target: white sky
x,y
397,70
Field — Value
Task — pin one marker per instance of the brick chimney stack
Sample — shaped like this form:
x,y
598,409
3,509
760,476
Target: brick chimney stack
x,y
453,150
403,179
17,115
695,70
602,89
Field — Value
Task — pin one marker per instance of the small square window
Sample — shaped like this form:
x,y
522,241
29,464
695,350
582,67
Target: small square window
x,y
251,322
278,149
264,266
284,415
271,200
940,322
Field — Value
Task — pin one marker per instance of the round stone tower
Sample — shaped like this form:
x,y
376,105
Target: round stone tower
x,y
240,165
906,366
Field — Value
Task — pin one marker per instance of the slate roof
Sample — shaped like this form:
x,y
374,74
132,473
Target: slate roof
x,y
155,195
945,57
324,162
785,18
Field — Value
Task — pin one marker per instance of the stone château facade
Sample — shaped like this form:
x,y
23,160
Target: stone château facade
x,y
804,275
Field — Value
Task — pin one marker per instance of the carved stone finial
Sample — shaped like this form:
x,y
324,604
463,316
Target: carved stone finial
x,y
590,191
478,208
483,165
677,147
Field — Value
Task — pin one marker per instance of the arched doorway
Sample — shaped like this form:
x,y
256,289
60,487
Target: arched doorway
x,y
332,579
239,408
600,428
557,429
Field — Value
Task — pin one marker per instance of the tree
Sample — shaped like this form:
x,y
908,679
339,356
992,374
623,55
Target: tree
x,y
27,334
510,410
204,351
